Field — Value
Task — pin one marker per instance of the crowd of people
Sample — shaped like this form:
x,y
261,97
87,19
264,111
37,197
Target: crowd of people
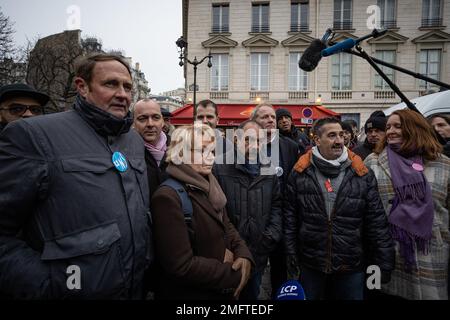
x,y
139,208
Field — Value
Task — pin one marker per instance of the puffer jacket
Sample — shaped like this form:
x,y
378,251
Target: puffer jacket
x,y
254,207
357,225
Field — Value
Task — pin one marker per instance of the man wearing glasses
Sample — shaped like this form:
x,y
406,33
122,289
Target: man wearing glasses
x,y
20,101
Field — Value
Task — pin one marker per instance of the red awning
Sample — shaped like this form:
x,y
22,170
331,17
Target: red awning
x,y
234,114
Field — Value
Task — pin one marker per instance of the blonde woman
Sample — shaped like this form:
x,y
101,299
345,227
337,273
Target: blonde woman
x,y
200,254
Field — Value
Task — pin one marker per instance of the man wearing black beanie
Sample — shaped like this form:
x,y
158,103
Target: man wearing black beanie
x,y
287,129
375,129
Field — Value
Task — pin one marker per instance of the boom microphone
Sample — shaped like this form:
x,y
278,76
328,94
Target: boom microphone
x,y
312,55
350,43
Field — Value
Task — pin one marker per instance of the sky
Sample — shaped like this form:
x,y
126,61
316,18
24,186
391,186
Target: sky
x,y
145,29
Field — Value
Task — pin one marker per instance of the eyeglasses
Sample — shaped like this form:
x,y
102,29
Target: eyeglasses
x,y
16,109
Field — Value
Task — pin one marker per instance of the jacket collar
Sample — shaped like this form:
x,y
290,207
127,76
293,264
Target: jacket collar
x,y
357,164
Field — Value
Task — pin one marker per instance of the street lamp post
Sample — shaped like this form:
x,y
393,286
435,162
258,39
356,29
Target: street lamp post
x,y
182,45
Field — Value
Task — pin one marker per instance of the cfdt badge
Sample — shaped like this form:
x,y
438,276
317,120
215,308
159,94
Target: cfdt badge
x,y
119,161
291,290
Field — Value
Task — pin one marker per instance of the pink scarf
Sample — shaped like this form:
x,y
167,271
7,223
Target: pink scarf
x,y
158,150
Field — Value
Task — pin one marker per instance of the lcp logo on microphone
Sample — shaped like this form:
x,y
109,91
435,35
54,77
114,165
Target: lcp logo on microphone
x,y
291,290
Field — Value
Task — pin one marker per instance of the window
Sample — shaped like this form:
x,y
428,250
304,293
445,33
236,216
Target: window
x,y
387,14
431,13
259,73
341,71
219,72
298,79
342,14
351,116
430,65
389,57
220,18
260,17
299,16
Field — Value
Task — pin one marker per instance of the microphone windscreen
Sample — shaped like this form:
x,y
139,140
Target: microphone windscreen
x,y
312,55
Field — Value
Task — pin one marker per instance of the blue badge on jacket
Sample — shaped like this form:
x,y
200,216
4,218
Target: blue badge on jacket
x,y
291,290
119,161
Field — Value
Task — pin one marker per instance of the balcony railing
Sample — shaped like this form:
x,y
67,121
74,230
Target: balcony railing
x,y
263,95
218,95
432,22
298,95
342,25
384,95
299,27
220,29
341,95
260,28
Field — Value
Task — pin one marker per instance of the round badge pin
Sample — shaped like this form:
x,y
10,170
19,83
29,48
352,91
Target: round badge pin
x,y
119,161
279,171
417,166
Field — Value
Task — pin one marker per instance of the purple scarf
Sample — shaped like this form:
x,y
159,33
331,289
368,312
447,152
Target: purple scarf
x,y
159,149
411,216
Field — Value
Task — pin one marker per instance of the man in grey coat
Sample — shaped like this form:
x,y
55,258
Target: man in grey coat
x,y
74,220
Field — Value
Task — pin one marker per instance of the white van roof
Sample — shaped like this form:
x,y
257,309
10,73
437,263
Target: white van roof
x,y
435,103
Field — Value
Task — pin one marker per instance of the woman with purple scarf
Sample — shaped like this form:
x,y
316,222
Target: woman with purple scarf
x,y
413,181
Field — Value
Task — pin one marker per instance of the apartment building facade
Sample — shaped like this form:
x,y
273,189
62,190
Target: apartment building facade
x,y
256,46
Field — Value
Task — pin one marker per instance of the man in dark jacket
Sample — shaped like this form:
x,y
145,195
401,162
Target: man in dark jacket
x,y
74,220
149,122
253,202
375,129
288,153
334,218
288,130
20,101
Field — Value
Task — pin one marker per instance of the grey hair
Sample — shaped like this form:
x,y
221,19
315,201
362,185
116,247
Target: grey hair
x,y
254,113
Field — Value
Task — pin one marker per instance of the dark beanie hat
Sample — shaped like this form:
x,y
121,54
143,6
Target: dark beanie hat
x,y
283,112
376,120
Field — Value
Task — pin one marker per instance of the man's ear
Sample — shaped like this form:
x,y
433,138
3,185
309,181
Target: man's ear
x,y
316,139
82,86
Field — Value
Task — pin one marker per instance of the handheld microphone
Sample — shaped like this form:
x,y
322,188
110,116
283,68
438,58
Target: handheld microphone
x,y
312,55
291,290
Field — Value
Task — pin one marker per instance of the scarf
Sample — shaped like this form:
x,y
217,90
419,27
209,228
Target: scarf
x,y
104,123
411,216
158,150
329,168
210,186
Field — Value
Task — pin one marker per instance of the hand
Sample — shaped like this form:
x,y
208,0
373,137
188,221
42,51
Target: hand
x,y
293,271
229,256
245,266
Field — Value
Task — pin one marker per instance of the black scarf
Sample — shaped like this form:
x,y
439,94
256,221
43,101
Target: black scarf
x,y
326,168
104,123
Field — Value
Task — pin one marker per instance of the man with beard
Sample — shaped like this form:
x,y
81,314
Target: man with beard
x,y
253,202
335,219
375,131
20,101
288,130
